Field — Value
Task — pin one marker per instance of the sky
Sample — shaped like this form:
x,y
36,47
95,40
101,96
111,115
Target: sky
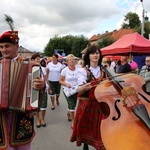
x,y
39,20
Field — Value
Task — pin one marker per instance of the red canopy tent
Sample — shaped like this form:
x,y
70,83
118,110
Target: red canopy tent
x,y
114,57
130,43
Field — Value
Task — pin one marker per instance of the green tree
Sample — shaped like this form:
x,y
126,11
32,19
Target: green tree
x,y
105,42
70,44
146,29
131,21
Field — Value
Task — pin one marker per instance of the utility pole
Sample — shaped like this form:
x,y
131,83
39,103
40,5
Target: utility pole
x,y
143,19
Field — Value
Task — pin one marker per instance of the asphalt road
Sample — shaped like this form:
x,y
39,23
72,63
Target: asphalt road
x,y
56,135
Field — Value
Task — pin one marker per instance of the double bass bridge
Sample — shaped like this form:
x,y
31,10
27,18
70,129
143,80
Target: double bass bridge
x,y
129,93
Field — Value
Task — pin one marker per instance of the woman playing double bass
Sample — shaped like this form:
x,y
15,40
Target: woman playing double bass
x,y
88,116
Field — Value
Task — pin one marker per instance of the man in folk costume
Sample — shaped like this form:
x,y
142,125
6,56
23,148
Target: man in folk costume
x,y
16,128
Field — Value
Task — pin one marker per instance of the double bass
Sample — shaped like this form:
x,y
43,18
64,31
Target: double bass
x,y
126,108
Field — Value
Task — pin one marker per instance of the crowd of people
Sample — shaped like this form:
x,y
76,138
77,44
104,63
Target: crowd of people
x,y
83,108
88,109
77,79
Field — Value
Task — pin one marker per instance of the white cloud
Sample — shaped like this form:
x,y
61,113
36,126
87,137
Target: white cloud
x,y
37,21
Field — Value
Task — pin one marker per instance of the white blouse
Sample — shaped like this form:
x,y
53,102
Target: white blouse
x,y
55,70
82,74
70,76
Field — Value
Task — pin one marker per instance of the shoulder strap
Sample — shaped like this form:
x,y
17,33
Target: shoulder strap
x,y
89,74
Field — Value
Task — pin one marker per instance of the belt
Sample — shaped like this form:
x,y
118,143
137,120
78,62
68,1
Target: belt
x,y
83,98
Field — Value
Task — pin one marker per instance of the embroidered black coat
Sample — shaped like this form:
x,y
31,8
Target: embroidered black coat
x,y
16,128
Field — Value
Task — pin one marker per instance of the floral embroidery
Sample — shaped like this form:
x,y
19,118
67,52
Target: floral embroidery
x,y
25,128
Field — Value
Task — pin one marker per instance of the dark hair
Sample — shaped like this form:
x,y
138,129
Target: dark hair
x,y
43,63
55,55
91,50
34,56
118,62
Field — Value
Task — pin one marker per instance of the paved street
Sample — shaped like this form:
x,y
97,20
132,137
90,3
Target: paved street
x,y
56,136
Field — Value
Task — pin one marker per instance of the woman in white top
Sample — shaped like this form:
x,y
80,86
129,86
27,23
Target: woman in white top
x,y
53,70
68,79
88,116
40,114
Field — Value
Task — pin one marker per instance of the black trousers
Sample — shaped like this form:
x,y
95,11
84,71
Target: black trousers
x,y
85,146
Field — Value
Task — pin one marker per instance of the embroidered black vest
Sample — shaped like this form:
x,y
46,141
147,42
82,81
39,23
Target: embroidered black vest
x,y
16,128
